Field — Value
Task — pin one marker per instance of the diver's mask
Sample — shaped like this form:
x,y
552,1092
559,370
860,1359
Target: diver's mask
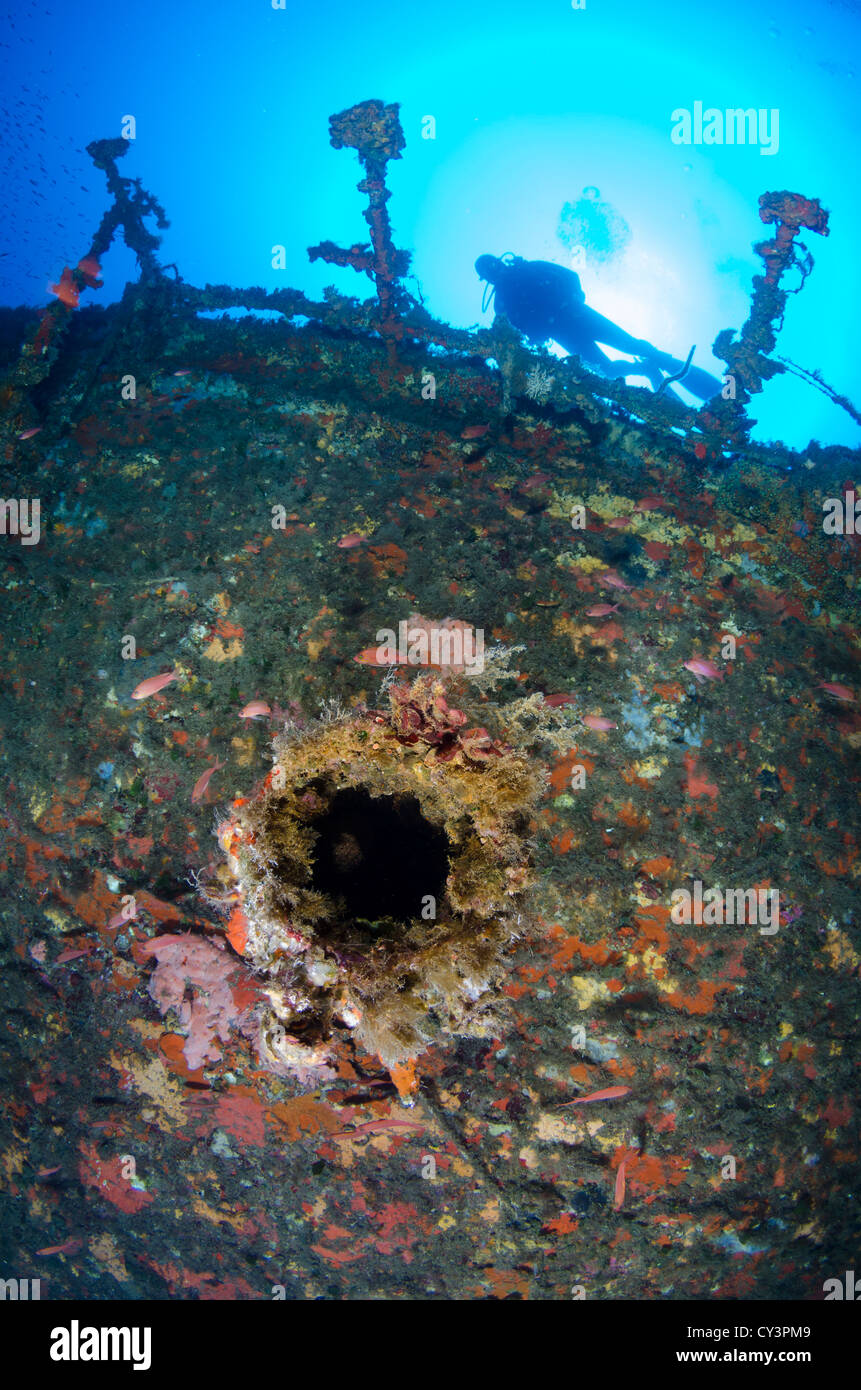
x,y
488,268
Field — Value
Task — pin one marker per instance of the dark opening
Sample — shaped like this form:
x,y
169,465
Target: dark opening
x,y
379,856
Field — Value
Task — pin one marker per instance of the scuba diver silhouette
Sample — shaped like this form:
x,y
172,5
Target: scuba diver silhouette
x,y
545,300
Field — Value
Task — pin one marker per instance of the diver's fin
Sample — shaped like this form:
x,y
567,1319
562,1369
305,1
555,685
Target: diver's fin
x,y
701,383
694,379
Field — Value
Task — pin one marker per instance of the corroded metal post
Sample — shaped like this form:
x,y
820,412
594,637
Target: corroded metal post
x,y
374,131
748,358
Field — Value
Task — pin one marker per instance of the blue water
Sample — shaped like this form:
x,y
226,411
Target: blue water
x,y
532,104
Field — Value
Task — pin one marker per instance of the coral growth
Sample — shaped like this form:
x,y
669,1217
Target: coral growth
x,y
748,356
219,999
131,204
379,873
374,130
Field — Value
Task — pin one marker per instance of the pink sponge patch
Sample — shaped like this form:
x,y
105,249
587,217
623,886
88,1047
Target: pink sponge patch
x,y
219,988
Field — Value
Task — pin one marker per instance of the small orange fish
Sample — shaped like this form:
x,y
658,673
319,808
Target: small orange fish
x,y
618,523
612,580
611,1093
254,710
200,786
47,1172
601,610
535,481
68,1248
71,953
619,1191
598,722
153,685
474,431
376,1126
120,918
841,692
354,538
183,371
649,504
703,669
67,291
28,434
368,657
554,701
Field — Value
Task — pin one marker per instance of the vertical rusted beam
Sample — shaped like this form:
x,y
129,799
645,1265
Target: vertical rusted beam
x,y
374,131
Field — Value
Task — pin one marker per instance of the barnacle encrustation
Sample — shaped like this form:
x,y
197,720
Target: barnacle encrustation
x,y
378,877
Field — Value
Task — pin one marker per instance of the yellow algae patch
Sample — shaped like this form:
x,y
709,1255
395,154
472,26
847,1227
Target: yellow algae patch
x,y
667,529
61,920
450,1100
153,1080
12,1162
840,951
606,1138
140,467
580,560
562,504
588,991
145,1029
344,1149
105,1249
579,633
654,966
663,709
812,1230
217,651
463,1170
607,504
472,1126
555,1129
217,1214
38,1207
244,749
649,768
